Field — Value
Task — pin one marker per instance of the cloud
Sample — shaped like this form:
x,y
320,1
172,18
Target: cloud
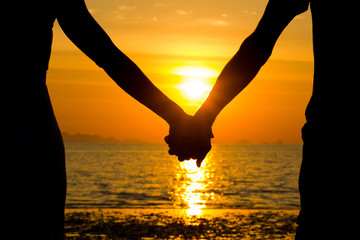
x,y
183,12
158,4
119,16
212,22
119,12
126,7
250,12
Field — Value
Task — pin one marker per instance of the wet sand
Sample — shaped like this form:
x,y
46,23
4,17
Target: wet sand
x,y
149,224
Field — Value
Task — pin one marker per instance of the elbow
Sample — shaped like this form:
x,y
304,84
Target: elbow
x,y
256,50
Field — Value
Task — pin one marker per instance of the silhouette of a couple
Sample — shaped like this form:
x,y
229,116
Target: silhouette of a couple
x,y
35,186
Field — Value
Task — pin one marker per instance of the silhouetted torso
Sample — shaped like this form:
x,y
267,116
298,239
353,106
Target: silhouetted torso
x,y
327,177
335,55
29,39
37,183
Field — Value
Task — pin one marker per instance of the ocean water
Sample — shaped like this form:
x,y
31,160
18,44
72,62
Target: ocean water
x,y
119,175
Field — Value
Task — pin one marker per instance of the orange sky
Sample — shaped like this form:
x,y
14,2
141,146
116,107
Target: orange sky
x,y
162,37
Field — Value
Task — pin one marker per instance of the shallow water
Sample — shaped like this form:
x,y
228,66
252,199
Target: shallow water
x,y
117,175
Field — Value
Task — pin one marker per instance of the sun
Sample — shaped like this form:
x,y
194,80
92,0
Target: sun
x,y
196,81
194,89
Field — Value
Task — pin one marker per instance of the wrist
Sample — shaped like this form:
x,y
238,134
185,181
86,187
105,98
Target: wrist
x,y
205,121
173,115
205,117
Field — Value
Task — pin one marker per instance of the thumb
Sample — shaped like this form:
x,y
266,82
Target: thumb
x,y
166,139
199,161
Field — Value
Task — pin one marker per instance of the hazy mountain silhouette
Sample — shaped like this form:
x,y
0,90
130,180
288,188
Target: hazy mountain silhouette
x,y
78,137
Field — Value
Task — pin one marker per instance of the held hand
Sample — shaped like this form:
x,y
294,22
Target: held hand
x,y
203,146
179,140
189,138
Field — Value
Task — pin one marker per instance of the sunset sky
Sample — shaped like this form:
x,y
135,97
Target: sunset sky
x,y
182,45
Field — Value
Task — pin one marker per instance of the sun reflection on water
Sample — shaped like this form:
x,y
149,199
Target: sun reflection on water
x,y
192,188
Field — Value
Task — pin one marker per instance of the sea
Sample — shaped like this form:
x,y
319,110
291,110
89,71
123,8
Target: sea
x,y
145,176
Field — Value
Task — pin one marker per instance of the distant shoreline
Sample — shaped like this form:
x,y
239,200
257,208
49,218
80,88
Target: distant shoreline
x,y
94,138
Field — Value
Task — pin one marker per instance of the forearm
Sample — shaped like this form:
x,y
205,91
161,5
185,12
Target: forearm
x,y
86,34
253,53
236,75
134,82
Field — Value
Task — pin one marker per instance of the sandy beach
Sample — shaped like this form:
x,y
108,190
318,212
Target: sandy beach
x,y
178,224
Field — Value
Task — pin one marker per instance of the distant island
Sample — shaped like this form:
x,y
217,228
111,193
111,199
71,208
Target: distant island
x,y
78,137
93,138
246,142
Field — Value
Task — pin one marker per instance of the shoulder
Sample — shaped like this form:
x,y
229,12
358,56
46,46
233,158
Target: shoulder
x,y
67,7
293,7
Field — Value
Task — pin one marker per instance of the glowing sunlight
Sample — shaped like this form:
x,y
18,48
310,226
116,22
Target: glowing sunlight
x,y
196,81
194,89
192,194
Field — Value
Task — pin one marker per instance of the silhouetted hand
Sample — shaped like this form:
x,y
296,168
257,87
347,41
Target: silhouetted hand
x,y
189,139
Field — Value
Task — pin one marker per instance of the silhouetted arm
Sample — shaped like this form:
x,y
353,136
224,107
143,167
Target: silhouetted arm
x,y
236,75
90,38
252,55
